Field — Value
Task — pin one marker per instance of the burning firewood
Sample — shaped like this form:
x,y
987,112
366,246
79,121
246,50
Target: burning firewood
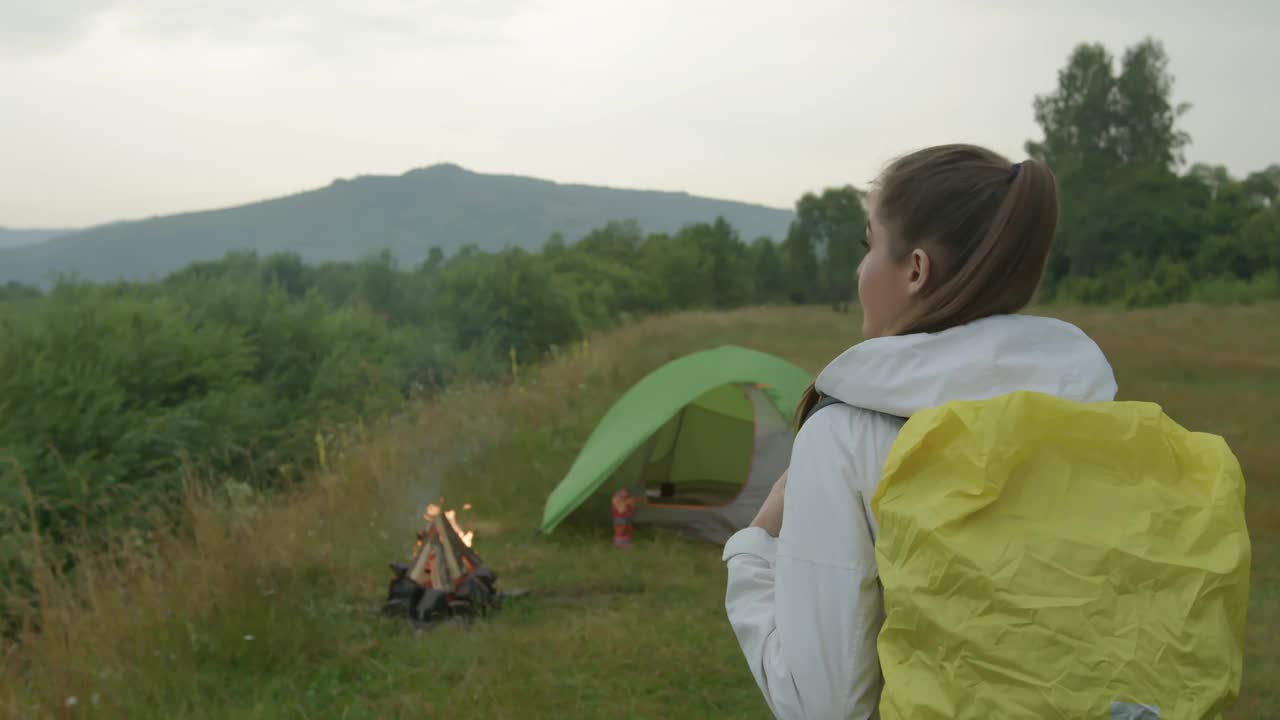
x,y
418,573
446,577
438,571
450,559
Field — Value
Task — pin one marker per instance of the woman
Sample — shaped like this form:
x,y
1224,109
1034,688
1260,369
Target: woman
x,y
956,243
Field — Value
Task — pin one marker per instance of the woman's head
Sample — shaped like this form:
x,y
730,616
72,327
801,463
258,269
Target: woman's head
x,y
955,233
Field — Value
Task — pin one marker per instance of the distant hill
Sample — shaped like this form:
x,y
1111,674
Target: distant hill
x,y
12,237
443,205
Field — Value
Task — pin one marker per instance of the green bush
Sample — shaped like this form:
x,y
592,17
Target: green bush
x,y
107,394
511,300
1170,282
1226,290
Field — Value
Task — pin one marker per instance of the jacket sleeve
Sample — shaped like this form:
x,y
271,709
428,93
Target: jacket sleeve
x,y
806,606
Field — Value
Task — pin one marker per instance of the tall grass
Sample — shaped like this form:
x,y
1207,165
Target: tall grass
x,y
260,607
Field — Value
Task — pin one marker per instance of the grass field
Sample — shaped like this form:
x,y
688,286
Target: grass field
x,y
264,611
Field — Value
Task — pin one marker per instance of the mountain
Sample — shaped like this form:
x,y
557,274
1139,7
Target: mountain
x,y
443,205
13,237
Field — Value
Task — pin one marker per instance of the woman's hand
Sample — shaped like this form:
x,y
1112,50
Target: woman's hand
x,y
770,515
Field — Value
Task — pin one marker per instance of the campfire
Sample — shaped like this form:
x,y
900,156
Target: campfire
x,y
446,578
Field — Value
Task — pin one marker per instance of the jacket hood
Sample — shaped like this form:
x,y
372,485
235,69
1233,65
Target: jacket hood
x,y
994,356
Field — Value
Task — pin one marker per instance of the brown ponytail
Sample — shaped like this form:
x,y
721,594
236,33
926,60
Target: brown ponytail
x,y
809,399
986,223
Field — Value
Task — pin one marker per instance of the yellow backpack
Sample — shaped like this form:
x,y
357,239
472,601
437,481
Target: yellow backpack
x,y
1043,558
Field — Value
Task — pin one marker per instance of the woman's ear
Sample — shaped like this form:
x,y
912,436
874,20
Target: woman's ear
x,y
919,266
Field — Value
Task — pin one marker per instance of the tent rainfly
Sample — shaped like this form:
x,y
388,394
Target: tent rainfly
x,y
698,442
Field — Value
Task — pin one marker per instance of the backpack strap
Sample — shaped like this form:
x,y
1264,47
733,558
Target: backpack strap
x,y
824,401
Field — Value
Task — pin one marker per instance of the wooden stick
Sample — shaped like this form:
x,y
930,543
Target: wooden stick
x,y
439,579
449,557
418,571
463,551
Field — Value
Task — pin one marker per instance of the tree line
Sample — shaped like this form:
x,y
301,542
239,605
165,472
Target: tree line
x,y
111,393
1135,228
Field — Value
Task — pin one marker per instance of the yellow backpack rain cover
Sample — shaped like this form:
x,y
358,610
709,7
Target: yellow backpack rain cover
x,y
1043,558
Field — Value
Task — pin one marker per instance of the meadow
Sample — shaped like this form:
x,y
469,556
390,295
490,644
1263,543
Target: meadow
x,y
263,607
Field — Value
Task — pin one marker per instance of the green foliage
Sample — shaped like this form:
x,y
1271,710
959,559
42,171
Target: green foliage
x,y
109,393
724,262
681,267
17,291
768,275
604,290
112,394
1132,229
835,223
508,301
1224,290
1170,282
800,259
1097,120
99,397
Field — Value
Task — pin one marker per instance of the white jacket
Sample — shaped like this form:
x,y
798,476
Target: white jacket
x,y
806,607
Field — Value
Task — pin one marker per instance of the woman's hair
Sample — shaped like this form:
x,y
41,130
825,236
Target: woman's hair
x,y
986,223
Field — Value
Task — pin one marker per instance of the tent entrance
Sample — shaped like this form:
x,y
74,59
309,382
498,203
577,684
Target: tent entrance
x,y
702,456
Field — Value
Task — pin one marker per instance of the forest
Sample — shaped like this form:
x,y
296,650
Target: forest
x,y
114,396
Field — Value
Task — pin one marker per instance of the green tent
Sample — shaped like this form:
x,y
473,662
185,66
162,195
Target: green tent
x,y
698,442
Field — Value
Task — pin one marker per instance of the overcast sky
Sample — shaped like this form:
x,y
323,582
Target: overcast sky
x,y
115,109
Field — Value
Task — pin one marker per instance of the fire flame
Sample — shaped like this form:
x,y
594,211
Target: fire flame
x,y
433,511
467,536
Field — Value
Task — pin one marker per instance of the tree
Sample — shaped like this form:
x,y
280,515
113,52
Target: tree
x,y
1146,118
730,279
769,277
507,301
800,259
704,265
1077,119
835,221
289,271
14,290
1096,121
554,246
434,261
1211,176
1114,143
379,286
1236,222
616,240
604,288
677,264
1261,238
1229,209
1263,186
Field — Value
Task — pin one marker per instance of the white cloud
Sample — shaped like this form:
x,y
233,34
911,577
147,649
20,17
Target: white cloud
x,y
38,27
319,26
